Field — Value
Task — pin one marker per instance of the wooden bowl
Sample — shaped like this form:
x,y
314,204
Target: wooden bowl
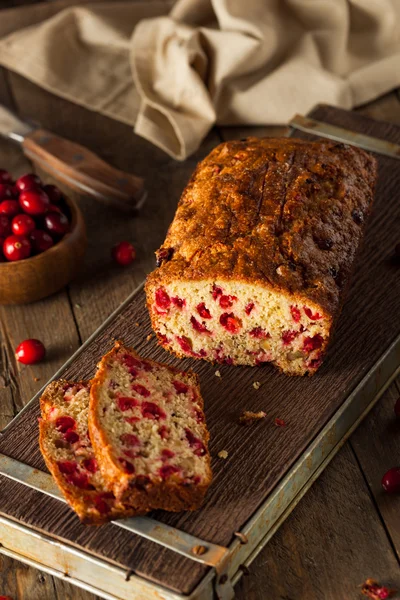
x,y
42,275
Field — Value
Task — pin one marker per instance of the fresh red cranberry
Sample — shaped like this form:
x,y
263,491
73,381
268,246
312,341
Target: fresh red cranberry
x,y
166,454
56,224
28,182
194,442
65,423
22,225
30,352
91,465
197,326
80,480
162,298
10,208
178,302
40,240
296,314
5,191
123,253
5,176
180,388
129,439
203,311
391,481
259,333
249,307
164,432
313,316
185,343
71,437
5,226
230,322
101,505
53,208
127,466
313,343
227,301
397,408
67,467
34,202
216,292
53,193
16,247
150,410
168,470
288,337
131,420
126,403
140,389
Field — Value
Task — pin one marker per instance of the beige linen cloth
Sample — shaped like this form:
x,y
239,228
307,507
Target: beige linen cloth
x,y
174,69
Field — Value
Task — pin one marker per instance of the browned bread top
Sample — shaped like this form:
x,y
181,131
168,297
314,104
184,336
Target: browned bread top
x,y
286,213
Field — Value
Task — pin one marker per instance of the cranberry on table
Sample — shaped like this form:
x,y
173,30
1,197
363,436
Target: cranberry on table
x,y
40,240
123,253
23,225
5,191
34,202
5,176
53,193
10,208
54,208
30,351
16,247
56,223
28,182
5,226
391,481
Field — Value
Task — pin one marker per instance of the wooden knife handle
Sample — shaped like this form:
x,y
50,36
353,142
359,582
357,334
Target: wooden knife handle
x,y
83,170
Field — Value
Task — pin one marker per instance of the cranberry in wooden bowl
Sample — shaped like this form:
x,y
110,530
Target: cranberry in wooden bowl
x,y
36,259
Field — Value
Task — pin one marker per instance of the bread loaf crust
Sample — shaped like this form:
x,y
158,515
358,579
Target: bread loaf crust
x,y
287,214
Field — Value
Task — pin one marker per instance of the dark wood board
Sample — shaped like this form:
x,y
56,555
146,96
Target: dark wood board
x,y
258,456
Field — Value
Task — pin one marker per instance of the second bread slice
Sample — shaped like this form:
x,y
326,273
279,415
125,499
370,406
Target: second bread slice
x,y
147,427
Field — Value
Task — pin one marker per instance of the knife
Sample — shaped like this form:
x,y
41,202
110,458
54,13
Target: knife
x,y
339,134
73,164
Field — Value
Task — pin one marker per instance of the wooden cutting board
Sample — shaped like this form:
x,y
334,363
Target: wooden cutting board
x,y
259,456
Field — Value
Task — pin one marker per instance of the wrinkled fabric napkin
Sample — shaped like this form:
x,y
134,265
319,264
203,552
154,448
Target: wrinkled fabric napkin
x,y
174,72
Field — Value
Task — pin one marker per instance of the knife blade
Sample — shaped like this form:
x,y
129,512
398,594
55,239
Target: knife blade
x,y
73,164
339,134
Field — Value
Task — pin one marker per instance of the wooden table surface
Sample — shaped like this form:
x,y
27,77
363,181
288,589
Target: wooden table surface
x,y
345,529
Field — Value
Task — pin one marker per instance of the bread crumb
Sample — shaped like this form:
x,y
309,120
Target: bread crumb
x,y
137,324
217,373
248,417
223,454
78,305
256,385
36,379
149,336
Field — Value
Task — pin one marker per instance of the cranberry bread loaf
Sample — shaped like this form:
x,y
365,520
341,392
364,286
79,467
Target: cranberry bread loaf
x,y
256,262
147,426
69,456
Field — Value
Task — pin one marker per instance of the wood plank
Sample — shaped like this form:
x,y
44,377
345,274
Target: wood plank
x,y
329,545
376,446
